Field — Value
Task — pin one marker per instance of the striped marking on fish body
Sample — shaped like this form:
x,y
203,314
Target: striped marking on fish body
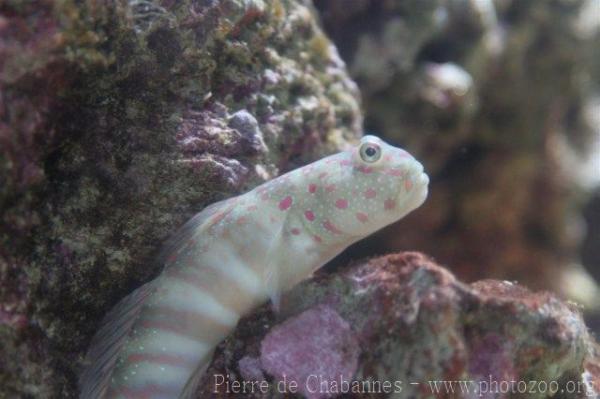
x,y
177,329
160,358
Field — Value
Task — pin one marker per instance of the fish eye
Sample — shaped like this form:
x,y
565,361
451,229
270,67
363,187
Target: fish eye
x,y
370,152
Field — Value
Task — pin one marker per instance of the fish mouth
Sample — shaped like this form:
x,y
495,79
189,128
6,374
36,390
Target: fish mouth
x,y
421,184
422,180
420,188
419,177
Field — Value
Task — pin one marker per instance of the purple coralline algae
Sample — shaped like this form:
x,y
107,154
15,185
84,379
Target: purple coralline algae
x,y
315,347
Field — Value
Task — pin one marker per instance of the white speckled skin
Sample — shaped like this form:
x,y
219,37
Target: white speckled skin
x,y
238,253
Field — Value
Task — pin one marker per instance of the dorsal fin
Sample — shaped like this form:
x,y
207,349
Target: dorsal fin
x,y
190,228
107,342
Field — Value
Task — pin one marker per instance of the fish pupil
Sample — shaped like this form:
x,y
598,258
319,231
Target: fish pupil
x,y
370,151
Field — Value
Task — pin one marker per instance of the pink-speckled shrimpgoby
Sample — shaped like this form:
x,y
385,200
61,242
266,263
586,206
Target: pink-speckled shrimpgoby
x,y
238,253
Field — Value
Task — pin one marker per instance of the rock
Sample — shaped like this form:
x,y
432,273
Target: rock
x,y
592,370
120,120
405,320
317,341
248,128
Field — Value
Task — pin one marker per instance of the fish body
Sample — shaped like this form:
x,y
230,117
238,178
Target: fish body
x,y
238,253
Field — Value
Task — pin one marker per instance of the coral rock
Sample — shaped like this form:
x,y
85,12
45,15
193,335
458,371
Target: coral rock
x,y
404,320
316,342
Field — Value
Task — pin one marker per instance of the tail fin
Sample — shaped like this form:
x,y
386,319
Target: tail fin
x,y
108,341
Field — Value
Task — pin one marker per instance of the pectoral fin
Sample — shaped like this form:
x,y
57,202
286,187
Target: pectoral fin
x,y
272,286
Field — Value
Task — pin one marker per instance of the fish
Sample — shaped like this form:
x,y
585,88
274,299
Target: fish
x,y
240,253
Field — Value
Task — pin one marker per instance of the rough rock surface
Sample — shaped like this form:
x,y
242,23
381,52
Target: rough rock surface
x,y
119,120
491,96
407,320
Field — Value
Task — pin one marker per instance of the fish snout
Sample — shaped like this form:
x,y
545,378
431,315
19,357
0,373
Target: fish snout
x,y
418,175
417,170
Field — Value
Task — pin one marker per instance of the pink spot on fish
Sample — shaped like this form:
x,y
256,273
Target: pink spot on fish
x,y
408,184
312,188
295,231
332,228
345,162
364,169
389,204
370,193
306,170
317,239
322,175
285,203
341,203
394,172
330,188
218,217
309,215
242,220
252,208
264,196
362,217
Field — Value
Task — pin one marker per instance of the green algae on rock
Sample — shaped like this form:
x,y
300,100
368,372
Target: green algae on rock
x,y
119,120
